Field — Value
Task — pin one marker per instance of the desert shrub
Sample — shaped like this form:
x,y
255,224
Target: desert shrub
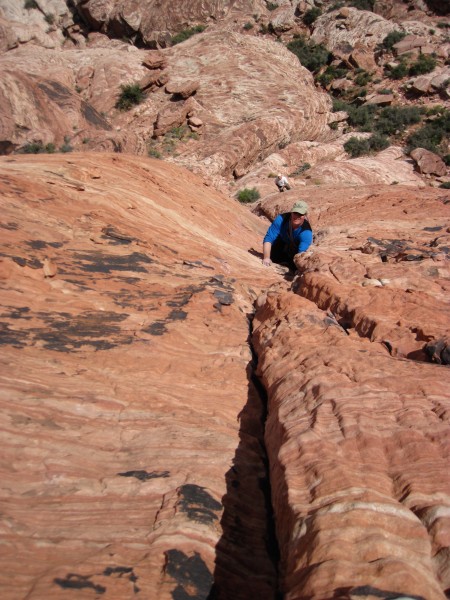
x,y
248,195
334,125
378,142
330,74
443,25
271,5
361,117
445,185
130,96
49,18
363,78
301,169
385,91
425,63
392,38
29,4
446,159
398,72
311,15
66,147
393,118
357,147
432,136
38,148
248,26
312,56
186,34
154,153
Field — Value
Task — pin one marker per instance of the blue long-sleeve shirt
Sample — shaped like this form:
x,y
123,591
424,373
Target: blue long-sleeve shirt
x,y
303,235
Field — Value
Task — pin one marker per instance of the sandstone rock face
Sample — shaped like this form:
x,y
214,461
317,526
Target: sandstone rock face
x,y
356,27
389,166
231,75
155,22
125,467
358,423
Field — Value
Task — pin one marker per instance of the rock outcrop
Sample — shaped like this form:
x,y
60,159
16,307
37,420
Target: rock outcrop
x,y
131,426
356,433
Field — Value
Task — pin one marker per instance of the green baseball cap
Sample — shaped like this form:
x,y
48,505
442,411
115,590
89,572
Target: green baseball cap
x,y
300,207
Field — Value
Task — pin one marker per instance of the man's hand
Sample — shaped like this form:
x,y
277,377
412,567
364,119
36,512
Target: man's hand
x,y
266,262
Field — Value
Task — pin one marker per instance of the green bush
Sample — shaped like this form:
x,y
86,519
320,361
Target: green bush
x,y
424,64
301,169
29,4
248,195
186,34
362,117
312,56
392,38
49,18
38,148
271,5
445,185
357,147
248,26
363,78
446,159
393,118
432,136
330,74
130,96
378,142
398,72
311,15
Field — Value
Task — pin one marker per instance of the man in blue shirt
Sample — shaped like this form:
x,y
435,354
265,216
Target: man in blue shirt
x,y
289,234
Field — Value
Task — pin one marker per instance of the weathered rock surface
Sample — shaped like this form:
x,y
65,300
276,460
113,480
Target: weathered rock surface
x,y
428,162
389,166
131,429
156,21
352,27
358,426
238,127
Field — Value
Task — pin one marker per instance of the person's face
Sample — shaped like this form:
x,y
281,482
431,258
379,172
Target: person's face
x,y
297,219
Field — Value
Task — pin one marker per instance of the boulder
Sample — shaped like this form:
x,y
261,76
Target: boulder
x,y
428,163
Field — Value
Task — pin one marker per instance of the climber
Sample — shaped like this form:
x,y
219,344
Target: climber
x,y
282,182
289,234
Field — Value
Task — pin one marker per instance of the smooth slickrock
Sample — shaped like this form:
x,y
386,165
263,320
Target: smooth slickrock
x,y
389,167
358,431
131,430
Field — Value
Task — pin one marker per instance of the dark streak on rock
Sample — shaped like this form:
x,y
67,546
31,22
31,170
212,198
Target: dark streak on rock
x,y
98,262
78,582
144,475
25,262
93,117
40,244
9,337
157,328
56,92
193,577
198,504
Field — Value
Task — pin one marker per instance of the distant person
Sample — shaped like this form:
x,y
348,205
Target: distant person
x,y
282,182
289,234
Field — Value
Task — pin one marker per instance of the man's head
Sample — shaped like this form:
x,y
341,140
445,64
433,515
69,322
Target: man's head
x,y
279,176
300,207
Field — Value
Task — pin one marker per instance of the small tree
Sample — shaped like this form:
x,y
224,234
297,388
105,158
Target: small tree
x,y
424,64
357,147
